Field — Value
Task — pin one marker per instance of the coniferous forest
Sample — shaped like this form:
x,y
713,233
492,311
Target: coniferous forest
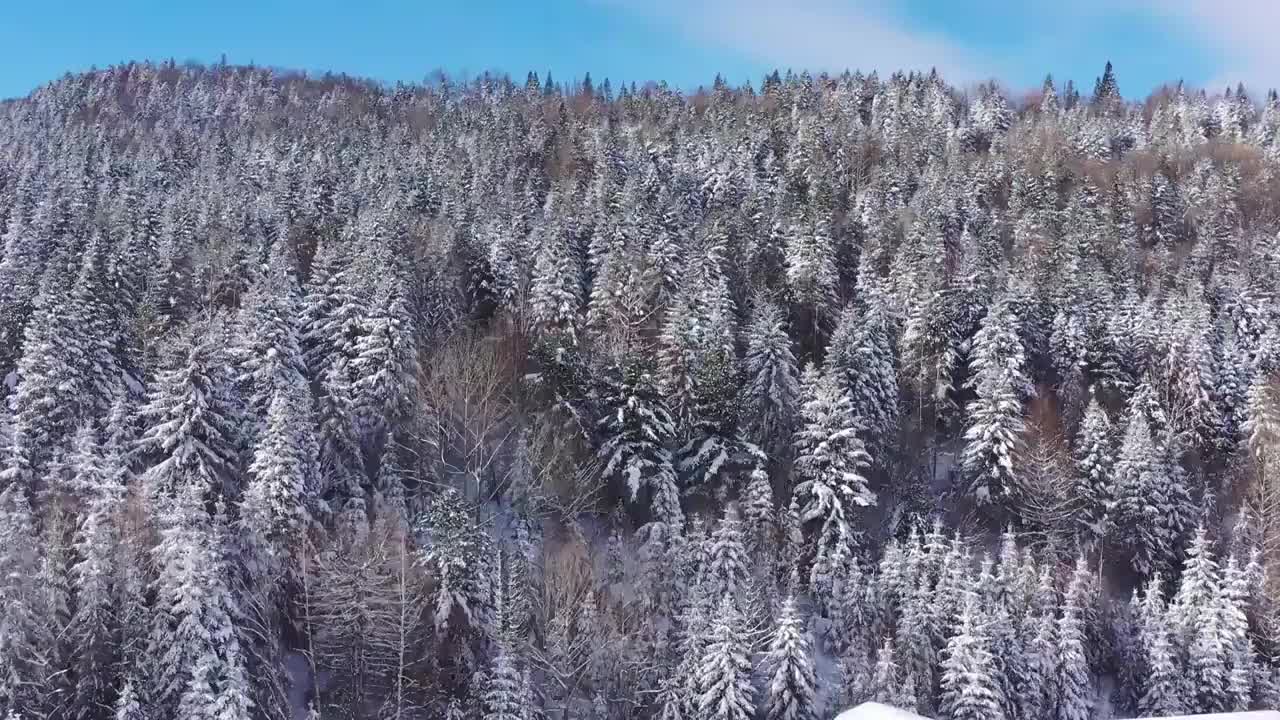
x,y
489,400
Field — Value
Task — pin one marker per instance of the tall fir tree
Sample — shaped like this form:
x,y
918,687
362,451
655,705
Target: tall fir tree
x,y
791,689
1138,470
193,434
969,689
829,466
1075,691
724,674
861,353
994,433
1094,460
22,648
772,389
95,627
198,667
1165,685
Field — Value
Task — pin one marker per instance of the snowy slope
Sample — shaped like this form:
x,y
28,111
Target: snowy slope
x,y
1260,715
876,711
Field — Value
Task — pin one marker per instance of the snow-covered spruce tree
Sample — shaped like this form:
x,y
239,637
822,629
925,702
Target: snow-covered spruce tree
x,y
1146,401
1262,433
385,366
854,682
22,652
861,352
616,304
716,456
1006,650
555,294
1035,689
1165,683
728,573
94,627
691,644
273,517
193,429
133,613
1074,686
341,465
681,346
53,599
282,480
1138,470
811,263
772,389
19,283
1068,347
119,441
996,425
1239,587
637,429
1188,376
969,690
95,329
791,688
919,631
336,305
1119,362
503,699
1199,589
1232,372
1207,666
758,512
170,281
724,674
857,592
1197,620
670,701
127,705
512,604
509,259
51,377
830,460
1094,465
887,678
268,352
457,553
199,669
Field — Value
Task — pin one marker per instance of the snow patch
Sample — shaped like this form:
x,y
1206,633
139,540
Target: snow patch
x,y
876,711
1258,715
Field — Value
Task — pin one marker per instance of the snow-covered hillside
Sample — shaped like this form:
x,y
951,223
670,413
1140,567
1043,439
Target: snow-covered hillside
x,y
876,711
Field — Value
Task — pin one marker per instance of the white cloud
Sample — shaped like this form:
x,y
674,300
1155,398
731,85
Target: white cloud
x,y
1240,34
1236,36
813,34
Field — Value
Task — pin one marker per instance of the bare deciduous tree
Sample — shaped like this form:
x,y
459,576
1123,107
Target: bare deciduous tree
x,y
471,421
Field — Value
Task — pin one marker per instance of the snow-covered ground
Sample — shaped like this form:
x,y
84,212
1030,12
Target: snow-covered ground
x,y
876,711
1259,715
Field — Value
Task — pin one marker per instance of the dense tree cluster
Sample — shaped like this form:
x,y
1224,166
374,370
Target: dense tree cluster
x,y
483,400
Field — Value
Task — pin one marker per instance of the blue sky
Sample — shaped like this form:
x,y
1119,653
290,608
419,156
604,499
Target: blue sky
x,y
1206,42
